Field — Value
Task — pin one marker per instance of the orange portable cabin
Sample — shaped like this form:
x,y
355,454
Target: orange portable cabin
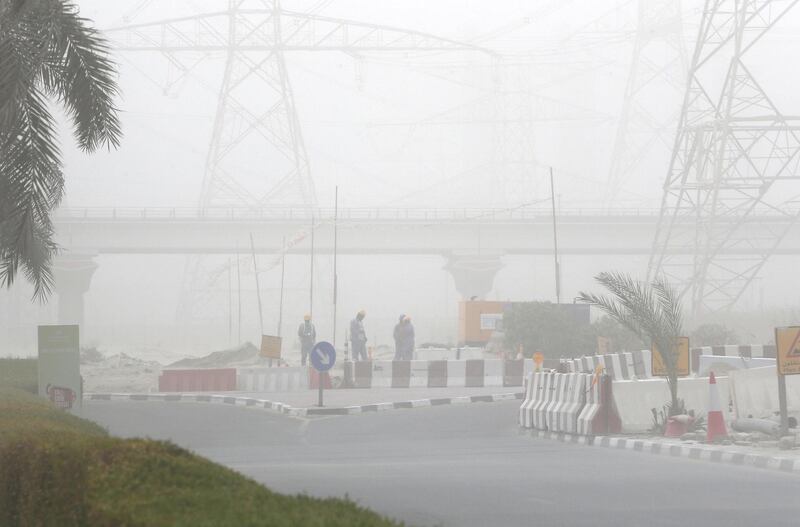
x,y
478,319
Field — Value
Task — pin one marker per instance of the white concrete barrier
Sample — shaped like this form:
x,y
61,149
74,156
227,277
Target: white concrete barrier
x,y
575,400
556,400
261,379
636,399
722,365
418,374
543,399
754,392
591,408
382,374
531,385
493,372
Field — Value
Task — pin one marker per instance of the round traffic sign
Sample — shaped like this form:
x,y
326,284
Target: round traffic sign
x,y
323,356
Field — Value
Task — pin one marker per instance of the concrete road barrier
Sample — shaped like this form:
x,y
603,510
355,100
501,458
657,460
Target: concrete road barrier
x,y
441,373
766,351
557,396
636,399
197,380
723,365
262,379
754,392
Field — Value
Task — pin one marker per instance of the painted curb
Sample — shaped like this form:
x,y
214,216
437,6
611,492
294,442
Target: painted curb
x,y
285,409
698,452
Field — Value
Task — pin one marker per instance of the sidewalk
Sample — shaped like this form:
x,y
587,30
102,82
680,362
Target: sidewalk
x,y
765,455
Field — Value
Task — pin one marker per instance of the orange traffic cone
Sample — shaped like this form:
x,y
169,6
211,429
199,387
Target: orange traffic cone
x,y
715,424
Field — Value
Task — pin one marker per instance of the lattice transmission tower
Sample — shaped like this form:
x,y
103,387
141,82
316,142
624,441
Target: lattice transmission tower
x,y
257,156
256,117
651,104
735,154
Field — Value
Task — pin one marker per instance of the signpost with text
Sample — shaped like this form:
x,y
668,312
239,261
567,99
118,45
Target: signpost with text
x,y
59,365
787,343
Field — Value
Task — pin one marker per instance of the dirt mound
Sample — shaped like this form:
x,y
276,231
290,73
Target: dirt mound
x,y
120,373
244,355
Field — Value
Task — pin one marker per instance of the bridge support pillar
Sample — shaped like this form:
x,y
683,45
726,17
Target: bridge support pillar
x,y
474,274
73,275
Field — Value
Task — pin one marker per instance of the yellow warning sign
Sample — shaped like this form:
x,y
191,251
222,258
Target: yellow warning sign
x,y
660,369
787,342
270,347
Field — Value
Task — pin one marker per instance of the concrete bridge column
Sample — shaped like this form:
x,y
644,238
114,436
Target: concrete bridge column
x,y
474,273
73,275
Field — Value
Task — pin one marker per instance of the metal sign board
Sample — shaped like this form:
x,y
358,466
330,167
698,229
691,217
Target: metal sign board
x,y
323,356
787,343
660,369
59,365
270,347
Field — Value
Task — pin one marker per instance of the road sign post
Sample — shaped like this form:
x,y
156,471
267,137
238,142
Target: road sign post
x,y
787,344
323,357
59,366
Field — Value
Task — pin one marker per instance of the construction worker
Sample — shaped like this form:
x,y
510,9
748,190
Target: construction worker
x,y
407,339
308,337
398,338
358,337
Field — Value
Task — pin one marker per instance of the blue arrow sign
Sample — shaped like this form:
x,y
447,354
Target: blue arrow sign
x,y
323,356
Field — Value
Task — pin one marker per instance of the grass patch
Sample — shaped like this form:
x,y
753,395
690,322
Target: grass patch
x,y
19,373
57,469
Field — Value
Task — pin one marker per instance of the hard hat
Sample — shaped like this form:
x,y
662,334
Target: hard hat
x,y
307,317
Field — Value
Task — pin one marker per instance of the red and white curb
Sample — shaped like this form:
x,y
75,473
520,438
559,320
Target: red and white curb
x,y
718,454
292,411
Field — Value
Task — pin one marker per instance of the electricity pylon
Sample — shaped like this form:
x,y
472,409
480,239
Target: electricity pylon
x,y
735,154
656,81
257,155
256,117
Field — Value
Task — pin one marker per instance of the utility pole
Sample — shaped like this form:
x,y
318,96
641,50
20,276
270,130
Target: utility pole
x,y
230,303
335,258
258,287
311,279
555,239
239,298
283,275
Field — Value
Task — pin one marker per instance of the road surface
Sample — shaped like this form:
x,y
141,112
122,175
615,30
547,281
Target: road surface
x,y
462,466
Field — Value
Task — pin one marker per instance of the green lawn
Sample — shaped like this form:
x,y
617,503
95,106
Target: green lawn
x,y
57,469
19,373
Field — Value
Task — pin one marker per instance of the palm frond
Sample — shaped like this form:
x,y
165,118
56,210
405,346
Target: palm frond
x,y
83,76
46,49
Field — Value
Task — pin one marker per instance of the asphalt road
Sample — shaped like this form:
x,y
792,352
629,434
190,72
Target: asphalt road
x,y
463,465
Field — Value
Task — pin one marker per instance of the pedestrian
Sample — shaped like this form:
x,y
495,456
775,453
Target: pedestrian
x,y
308,337
398,338
407,338
358,337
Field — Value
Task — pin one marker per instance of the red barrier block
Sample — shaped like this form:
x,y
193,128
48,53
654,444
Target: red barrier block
x,y
198,380
313,379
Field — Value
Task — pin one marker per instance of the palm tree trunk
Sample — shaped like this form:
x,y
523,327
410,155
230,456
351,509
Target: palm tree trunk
x,y
672,380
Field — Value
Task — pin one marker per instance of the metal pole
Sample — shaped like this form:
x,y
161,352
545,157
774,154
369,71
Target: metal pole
x,y
283,275
230,302
239,298
258,287
555,239
311,281
335,258
320,381
783,404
